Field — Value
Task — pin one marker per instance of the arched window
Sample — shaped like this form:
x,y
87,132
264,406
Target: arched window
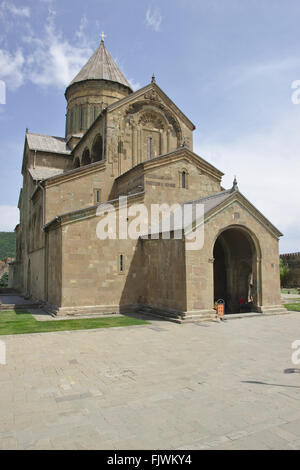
x,y
183,179
86,159
97,149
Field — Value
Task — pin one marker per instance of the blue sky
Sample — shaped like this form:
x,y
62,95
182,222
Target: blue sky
x,y
228,64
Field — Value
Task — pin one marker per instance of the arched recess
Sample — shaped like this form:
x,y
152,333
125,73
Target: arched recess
x,y
76,162
237,269
86,159
150,115
97,149
28,287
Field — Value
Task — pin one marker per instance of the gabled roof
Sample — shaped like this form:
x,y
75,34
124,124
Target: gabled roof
x,y
215,202
152,86
101,66
212,201
47,143
212,204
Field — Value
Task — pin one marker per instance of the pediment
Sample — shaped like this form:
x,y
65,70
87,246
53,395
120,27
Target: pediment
x,y
153,96
228,200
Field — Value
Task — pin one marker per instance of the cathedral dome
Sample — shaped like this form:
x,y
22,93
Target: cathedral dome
x,y
101,66
98,84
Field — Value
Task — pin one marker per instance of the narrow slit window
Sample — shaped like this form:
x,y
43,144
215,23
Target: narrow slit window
x,y
150,147
121,263
97,196
183,179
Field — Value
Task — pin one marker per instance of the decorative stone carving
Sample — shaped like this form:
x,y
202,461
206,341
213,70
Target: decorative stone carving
x,y
153,119
152,96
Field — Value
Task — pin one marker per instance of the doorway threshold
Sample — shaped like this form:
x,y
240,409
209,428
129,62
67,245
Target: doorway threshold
x,y
233,316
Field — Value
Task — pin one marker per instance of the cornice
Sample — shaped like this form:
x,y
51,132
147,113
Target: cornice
x,y
87,213
75,173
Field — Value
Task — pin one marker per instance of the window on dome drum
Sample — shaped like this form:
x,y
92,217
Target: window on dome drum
x,y
150,148
183,179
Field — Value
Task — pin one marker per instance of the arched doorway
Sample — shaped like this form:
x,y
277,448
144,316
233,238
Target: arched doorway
x,y
236,270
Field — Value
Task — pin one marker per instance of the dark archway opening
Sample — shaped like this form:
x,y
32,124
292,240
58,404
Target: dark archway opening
x,y
235,271
86,159
76,163
97,149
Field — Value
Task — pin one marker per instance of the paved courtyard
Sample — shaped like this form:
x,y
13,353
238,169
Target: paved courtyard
x,y
163,385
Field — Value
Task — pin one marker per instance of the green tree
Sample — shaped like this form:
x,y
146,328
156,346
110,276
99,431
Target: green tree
x,y
7,245
4,280
284,273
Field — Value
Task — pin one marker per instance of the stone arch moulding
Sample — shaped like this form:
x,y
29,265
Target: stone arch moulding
x,y
152,117
166,115
251,236
256,249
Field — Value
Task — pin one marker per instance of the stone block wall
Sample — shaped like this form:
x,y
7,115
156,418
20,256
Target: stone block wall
x,y
293,262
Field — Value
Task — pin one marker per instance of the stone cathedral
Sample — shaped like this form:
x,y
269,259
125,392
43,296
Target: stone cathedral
x,y
140,145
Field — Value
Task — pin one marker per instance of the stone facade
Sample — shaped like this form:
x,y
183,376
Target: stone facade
x,y
138,145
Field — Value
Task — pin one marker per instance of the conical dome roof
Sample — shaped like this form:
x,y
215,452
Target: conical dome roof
x,y
101,66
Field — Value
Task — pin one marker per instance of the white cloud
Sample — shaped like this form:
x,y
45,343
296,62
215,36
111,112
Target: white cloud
x,y
11,68
53,60
153,18
267,166
268,69
9,218
134,85
48,59
15,11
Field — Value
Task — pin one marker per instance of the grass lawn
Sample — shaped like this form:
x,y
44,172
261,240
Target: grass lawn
x,y
293,307
285,290
18,322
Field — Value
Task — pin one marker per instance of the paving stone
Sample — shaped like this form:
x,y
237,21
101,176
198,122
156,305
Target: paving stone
x,y
222,387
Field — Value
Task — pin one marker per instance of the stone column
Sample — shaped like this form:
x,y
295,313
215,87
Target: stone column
x,y
139,146
134,146
168,141
163,142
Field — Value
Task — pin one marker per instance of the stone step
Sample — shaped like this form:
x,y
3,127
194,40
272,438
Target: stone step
x,y
18,306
